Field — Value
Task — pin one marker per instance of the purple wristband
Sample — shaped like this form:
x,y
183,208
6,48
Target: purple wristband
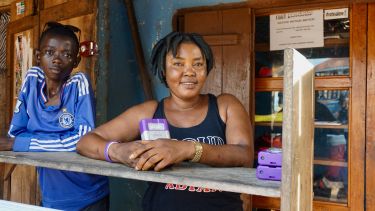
x,y
107,158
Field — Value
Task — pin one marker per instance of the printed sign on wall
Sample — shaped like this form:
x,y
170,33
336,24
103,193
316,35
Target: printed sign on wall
x,y
303,29
336,14
20,7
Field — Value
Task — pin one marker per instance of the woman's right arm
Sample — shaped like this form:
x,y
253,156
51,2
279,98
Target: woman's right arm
x,y
123,129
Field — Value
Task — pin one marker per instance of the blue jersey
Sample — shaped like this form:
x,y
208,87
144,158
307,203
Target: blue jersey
x,y
40,128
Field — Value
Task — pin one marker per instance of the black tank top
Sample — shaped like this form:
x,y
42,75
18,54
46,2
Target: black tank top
x,y
160,196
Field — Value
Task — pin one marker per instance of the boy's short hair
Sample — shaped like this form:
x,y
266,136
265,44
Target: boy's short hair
x,y
61,29
170,43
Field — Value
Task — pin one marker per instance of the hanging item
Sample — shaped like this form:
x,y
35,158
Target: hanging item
x,y
88,48
4,20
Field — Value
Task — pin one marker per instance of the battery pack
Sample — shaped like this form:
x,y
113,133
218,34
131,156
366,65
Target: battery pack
x,y
152,129
269,172
270,157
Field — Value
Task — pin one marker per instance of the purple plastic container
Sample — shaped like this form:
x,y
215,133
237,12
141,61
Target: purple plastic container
x,y
152,129
269,172
270,157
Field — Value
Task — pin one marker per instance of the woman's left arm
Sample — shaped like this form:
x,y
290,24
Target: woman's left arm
x,y
239,150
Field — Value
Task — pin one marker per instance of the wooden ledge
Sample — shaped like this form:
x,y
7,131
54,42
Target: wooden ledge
x,y
236,179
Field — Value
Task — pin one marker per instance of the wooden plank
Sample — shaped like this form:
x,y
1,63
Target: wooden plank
x,y
24,177
274,204
145,78
23,183
358,128
298,132
330,82
2,176
6,3
236,58
236,179
370,111
70,9
225,39
276,83
3,103
52,3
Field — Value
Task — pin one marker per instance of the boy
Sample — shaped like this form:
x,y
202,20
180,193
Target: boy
x,y
54,109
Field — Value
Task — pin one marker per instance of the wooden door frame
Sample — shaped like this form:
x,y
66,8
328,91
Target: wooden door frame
x,y
14,27
370,112
26,23
5,120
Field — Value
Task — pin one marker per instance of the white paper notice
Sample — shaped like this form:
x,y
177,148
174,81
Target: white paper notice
x,y
302,29
336,14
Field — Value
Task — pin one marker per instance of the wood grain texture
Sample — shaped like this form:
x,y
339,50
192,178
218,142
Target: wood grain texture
x,y
24,184
70,9
51,3
236,58
142,68
274,204
20,186
298,132
276,84
5,3
236,179
357,121
370,130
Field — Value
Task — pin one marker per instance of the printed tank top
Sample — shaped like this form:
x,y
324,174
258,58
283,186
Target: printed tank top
x,y
160,196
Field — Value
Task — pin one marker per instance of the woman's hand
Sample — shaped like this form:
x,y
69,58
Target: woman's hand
x,y
121,152
161,153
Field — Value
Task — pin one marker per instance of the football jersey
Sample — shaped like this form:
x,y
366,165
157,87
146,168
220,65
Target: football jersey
x,y
40,128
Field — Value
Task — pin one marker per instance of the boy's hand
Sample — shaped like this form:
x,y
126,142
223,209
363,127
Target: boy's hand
x,y
6,144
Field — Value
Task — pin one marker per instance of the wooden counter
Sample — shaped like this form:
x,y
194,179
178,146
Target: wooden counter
x,y
236,179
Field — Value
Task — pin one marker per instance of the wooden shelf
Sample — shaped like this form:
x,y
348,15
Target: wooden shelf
x,y
270,124
325,82
233,179
317,125
318,203
327,162
319,198
330,125
330,42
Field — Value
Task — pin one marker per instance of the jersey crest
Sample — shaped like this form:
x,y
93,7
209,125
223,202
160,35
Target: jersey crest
x,y
66,119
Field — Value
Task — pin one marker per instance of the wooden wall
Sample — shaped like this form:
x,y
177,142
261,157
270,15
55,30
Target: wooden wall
x,y
4,3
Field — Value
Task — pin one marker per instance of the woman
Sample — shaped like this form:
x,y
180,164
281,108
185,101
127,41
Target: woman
x,y
203,128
